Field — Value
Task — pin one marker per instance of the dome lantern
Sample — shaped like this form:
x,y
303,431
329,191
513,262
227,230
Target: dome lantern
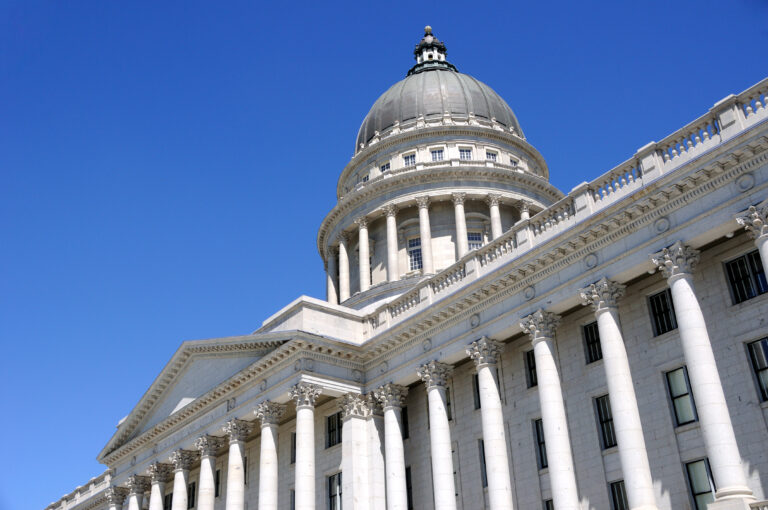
x,y
430,53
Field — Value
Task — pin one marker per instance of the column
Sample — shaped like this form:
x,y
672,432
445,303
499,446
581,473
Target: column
x,y
676,264
462,244
208,446
305,395
115,497
603,296
182,461
493,200
237,431
355,491
364,253
270,414
392,399
541,327
485,353
525,212
137,486
435,376
343,268
331,282
425,233
159,474
755,221
393,269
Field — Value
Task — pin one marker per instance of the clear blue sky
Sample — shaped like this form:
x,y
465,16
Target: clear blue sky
x,y
164,166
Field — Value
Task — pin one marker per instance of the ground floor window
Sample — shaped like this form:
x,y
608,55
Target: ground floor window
x,y
701,484
334,492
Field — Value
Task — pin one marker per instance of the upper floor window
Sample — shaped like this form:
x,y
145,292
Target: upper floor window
x,y
334,492
746,277
662,312
475,240
365,178
701,484
409,160
465,154
605,420
333,430
414,254
404,422
541,446
682,398
490,155
592,342
217,484
549,505
619,496
409,487
191,495
293,447
483,471
758,351
513,161
437,154
530,369
168,501
384,167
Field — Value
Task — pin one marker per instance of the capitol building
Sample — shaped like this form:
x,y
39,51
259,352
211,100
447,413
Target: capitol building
x,y
487,340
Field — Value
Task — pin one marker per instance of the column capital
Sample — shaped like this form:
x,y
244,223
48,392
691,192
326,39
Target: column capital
x,y
485,351
524,206
238,430
305,394
391,395
116,495
676,260
269,413
159,472
755,219
342,237
361,222
208,446
422,201
540,324
435,373
182,459
138,484
390,210
493,199
602,294
355,405
458,198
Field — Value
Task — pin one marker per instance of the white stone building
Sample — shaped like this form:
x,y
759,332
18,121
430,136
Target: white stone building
x,y
488,341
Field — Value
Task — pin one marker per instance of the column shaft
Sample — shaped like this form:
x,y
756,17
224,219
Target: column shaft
x,y
462,243
305,458
425,232
494,441
397,495
393,271
180,482
762,246
332,283
268,468
343,270
206,493
156,495
354,464
493,204
444,489
235,476
135,499
365,261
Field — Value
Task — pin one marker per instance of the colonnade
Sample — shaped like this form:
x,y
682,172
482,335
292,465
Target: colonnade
x,y
337,260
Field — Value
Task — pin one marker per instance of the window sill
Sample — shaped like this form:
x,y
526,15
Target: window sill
x,y
685,428
544,471
609,451
748,302
764,405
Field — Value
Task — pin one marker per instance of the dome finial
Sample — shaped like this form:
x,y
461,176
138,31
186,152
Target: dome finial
x,y
430,54
427,30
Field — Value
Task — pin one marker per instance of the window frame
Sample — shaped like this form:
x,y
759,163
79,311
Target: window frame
x,y
483,466
404,422
217,483
385,167
757,371
691,491
491,155
409,249
433,152
409,487
409,159
541,444
755,276
529,360
477,242
618,492
605,424
334,482
333,426
593,351
465,151
292,458
673,398
655,322
191,493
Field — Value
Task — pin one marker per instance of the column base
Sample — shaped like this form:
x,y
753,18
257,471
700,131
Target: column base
x,y
730,504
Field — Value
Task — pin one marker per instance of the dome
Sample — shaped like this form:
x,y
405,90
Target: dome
x,y
434,89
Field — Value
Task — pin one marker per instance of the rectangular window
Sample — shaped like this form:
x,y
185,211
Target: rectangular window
x,y
333,430
549,505
476,390
746,277
465,154
293,447
293,499
513,161
168,501
475,240
541,446
682,399
437,154
605,420
365,178
414,254
618,496
701,484
217,484
758,351
384,167
483,472
404,422
592,342
448,409
490,156
662,312
530,369
191,495
334,492
245,470
409,487
409,160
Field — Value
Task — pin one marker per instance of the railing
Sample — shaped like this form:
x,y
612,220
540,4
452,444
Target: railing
x,y
760,505
729,117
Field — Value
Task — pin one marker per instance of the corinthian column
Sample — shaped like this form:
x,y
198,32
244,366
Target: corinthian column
x,y
182,461
393,270
159,474
493,200
115,497
435,376
343,268
755,221
355,489
676,264
137,486
462,243
238,431
206,492
305,395
331,283
541,327
392,399
365,255
485,353
603,296
425,232
270,414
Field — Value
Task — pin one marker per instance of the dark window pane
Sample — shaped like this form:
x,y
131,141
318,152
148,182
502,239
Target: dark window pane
x,y
476,390
746,277
592,342
605,419
541,447
530,369
682,398
701,484
662,312
483,472
758,352
619,496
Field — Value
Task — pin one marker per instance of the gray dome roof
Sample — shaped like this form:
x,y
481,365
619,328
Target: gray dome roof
x,y
431,93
